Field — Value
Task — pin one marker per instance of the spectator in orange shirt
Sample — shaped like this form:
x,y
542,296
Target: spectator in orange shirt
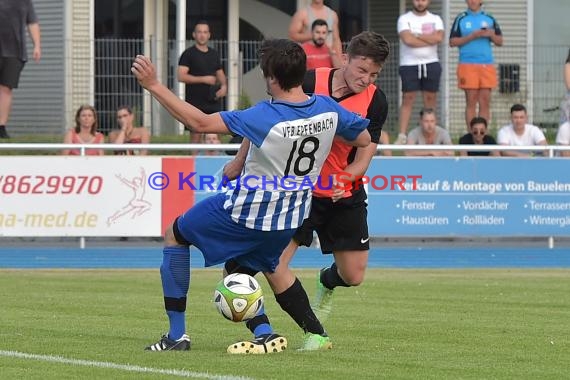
x,y
318,53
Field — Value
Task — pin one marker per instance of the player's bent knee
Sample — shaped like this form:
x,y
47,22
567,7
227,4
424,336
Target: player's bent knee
x,y
355,280
173,236
353,277
170,237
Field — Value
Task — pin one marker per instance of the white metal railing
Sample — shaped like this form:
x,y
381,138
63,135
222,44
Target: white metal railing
x,y
551,149
83,147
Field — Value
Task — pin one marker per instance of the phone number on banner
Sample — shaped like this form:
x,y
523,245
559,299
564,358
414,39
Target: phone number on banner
x,y
39,184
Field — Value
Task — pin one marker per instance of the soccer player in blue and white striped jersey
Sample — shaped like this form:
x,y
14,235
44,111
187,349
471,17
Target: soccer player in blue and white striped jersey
x,y
291,136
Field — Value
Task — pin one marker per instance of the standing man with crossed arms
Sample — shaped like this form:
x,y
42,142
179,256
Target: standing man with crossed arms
x,y
420,32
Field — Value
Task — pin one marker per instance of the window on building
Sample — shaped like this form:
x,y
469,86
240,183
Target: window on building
x,y
353,18
119,18
119,30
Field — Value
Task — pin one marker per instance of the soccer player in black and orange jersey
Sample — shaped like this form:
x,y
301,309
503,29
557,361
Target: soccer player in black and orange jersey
x,y
338,215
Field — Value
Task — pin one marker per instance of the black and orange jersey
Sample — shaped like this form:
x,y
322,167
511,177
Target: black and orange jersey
x,y
370,103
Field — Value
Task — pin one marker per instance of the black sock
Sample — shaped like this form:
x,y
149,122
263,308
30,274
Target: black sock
x,y
331,279
295,302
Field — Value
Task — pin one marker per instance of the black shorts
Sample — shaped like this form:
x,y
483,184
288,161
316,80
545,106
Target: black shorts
x,y
340,226
421,77
10,69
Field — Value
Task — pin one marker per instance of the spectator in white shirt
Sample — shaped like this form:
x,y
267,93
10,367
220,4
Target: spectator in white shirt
x,y
520,133
420,32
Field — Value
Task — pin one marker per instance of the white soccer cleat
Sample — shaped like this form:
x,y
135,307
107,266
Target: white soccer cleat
x,y
265,344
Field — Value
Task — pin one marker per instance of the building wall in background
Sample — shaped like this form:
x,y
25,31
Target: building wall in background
x,y
38,103
79,66
551,41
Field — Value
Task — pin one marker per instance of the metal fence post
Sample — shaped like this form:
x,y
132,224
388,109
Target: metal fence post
x,y
550,238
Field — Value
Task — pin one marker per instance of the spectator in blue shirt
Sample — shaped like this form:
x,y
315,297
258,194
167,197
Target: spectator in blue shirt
x,y
473,31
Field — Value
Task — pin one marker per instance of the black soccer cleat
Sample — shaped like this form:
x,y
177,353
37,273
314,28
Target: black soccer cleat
x,y
167,344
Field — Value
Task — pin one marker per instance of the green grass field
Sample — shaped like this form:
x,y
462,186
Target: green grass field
x,y
400,324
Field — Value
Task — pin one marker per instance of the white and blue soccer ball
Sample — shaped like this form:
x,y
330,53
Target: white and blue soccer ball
x,y
238,297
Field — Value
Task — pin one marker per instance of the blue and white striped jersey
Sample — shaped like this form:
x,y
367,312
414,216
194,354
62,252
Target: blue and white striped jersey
x,y
288,140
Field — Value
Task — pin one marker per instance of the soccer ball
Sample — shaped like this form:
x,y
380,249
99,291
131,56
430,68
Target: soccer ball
x,y
238,297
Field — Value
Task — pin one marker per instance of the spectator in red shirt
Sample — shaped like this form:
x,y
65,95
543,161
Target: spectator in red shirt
x,y
318,53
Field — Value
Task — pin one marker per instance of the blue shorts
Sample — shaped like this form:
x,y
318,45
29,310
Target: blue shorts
x,y
210,228
421,77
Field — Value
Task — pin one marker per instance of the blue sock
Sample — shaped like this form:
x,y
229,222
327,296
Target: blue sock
x,y
175,275
177,324
262,328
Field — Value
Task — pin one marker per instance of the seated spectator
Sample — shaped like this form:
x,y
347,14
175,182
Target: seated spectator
x,y
428,133
563,138
318,53
211,138
478,136
85,132
128,133
384,140
520,133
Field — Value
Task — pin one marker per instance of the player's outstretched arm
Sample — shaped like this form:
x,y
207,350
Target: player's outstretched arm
x,y
198,121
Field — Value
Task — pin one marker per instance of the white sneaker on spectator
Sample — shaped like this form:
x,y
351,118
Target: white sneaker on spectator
x,y
401,140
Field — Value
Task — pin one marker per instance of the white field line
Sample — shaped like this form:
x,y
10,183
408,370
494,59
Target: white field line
x,y
121,367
